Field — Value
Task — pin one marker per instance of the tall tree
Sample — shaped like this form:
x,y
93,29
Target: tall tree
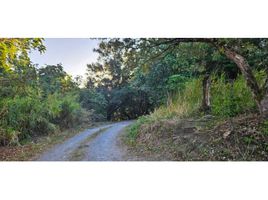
x,y
233,49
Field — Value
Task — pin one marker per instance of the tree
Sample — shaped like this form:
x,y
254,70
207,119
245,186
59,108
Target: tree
x,y
53,79
109,74
233,49
12,49
17,73
94,101
121,62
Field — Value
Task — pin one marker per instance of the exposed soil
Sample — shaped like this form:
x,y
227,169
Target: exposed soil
x,y
242,138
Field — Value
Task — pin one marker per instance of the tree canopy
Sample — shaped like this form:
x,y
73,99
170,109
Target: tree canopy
x,y
132,77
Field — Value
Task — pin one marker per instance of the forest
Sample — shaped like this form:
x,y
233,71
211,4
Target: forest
x,y
159,82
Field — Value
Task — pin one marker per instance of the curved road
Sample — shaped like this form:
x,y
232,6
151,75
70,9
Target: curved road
x,y
95,144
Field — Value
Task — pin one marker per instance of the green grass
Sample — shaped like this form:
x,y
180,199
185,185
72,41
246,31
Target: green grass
x,y
132,130
264,128
229,100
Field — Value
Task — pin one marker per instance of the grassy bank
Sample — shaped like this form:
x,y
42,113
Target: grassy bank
x,y
180,131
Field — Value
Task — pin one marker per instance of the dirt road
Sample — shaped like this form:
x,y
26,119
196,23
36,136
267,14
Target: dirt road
x,y
95,144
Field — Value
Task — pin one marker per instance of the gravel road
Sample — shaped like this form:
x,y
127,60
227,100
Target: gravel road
x,y
95,144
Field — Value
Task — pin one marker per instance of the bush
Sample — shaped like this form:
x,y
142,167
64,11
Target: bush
x,y
52,105
82,116
94,102
24,117
65,110
228,99
67,113
176,82
8,136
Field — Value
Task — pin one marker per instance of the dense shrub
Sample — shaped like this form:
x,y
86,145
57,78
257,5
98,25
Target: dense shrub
x,y
83,116
94,102
230,99
67,114
23,117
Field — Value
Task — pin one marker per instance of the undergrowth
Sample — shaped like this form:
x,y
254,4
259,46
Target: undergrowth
x,y
28,116
228,99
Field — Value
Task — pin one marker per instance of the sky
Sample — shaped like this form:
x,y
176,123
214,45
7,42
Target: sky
x,y
73,53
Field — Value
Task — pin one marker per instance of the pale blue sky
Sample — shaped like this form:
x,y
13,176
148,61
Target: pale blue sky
x,y
73,53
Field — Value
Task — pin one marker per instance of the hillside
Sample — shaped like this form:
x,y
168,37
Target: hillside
x,y
179,131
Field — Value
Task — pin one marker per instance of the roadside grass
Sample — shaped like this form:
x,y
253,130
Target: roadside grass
x,y
133,130
182,105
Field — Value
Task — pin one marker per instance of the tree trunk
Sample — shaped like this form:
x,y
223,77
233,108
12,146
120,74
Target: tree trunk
x,y
242,64
206,93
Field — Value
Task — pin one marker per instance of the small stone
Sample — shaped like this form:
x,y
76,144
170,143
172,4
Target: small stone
x,y
226,134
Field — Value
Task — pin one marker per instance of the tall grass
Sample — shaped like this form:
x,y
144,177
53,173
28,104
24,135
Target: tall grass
x,y
183,103
230,99
227,100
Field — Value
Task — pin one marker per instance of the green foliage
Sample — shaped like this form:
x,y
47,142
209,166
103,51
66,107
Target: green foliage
x,y
34,102
133,130
226,100
128,103
264,127
176,82
229,99
161,66
68,108
184,103
65,110
131,78
53,78
13,49
53,105
23,117
94,102
249,139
